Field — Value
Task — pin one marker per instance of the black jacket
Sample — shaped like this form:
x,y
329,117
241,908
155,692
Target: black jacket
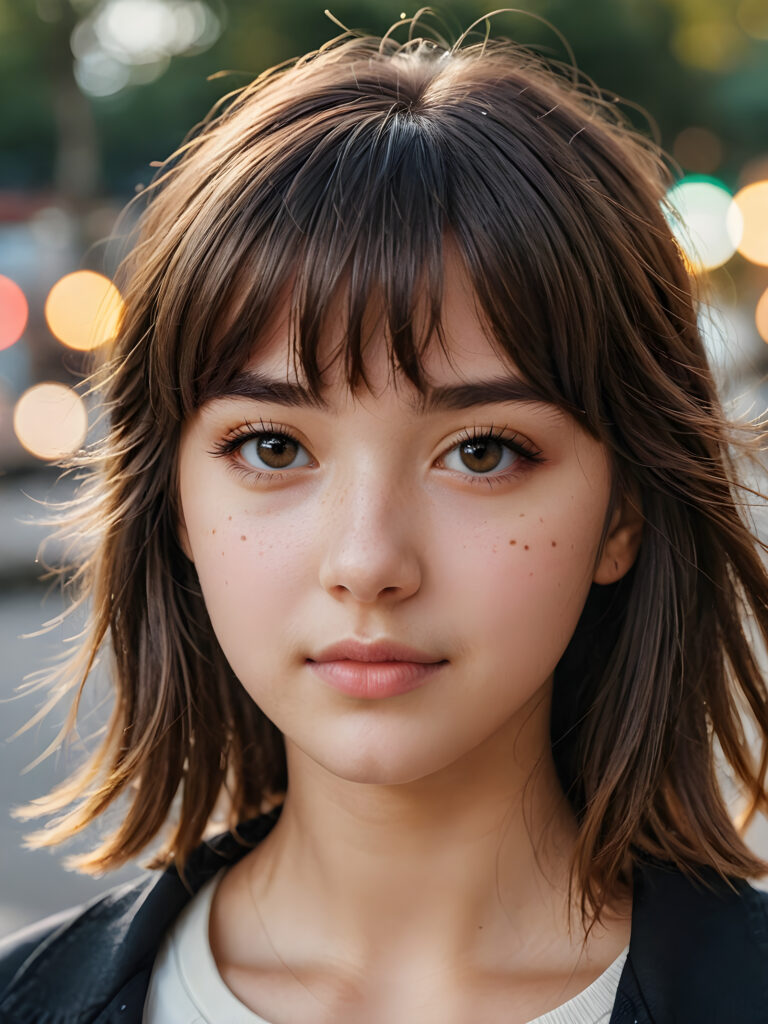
x,y
695,956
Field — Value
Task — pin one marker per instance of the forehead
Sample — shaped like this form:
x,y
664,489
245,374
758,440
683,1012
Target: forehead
x,y
467,350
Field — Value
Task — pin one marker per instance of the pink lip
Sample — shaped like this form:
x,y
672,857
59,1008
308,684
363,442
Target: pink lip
x,y
373,680
378,651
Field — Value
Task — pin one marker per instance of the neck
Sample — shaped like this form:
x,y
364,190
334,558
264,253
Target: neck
x,y
469,865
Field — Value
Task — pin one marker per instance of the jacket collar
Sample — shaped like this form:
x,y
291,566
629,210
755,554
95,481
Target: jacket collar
x,y
92,965
696,953
698,950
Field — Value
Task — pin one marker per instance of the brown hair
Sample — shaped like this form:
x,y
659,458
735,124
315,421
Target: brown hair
x,y
345,172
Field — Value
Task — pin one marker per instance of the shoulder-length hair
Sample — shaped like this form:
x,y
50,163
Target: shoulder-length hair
x,y
343,174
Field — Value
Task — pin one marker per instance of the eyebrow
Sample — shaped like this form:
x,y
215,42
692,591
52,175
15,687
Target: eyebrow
x,y
260,388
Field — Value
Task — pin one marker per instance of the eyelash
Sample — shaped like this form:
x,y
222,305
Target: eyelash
x,y
228,447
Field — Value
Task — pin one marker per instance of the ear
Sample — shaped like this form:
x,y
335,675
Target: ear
x,y
623,540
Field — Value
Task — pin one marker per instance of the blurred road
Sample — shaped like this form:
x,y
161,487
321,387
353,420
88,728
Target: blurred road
x,y
34,883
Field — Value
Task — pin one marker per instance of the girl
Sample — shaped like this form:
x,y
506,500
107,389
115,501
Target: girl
x,y
419,553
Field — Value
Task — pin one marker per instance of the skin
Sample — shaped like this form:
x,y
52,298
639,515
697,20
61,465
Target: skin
x,y
419,869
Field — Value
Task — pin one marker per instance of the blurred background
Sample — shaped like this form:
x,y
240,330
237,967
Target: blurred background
x,y
95,92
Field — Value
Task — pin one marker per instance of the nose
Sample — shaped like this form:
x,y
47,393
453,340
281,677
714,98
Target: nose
x,y
370,544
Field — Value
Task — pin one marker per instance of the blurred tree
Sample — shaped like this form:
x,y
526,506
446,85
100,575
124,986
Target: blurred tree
x,y
686,62
77,164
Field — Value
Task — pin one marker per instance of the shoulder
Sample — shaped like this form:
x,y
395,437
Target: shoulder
x,y
15,949
687,902
85,957
71,959
699,946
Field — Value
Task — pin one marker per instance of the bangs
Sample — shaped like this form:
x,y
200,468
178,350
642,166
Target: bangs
x,y
355,232
340,190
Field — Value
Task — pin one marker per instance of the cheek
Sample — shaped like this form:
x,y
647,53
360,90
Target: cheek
x,y
248,565
524,580
244,567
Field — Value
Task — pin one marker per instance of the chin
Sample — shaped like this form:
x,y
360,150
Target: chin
x,y
391,766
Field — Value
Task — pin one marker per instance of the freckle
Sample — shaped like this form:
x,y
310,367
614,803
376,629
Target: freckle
x,y
540,519
229,518
242,536
213,531
513,542
522,515
554,543
222,554
525,546
226,583
530,574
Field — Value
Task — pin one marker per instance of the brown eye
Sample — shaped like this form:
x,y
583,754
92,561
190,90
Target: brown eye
x,y
491,456
481,455
273,451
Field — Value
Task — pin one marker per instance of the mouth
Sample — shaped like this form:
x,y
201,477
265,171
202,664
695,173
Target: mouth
x,y
373,680
379,652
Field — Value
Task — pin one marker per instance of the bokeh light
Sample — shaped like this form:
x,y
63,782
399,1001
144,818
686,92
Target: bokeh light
x,y
131,42
709,45
754,170
698,150
761,315
752,16
752,201
83,309
705,220
50,420
139,31
98,74
14,312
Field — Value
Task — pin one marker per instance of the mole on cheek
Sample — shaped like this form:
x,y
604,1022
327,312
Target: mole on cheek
x,y
554,543
213,531
243,537
513,542
525,546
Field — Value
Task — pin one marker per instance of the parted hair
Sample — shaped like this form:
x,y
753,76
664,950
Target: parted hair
x,y
344,173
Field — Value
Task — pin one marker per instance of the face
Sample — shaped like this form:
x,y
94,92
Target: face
x,y
380,522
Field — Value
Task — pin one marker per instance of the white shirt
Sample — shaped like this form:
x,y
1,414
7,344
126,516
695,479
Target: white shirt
x,y
186,987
